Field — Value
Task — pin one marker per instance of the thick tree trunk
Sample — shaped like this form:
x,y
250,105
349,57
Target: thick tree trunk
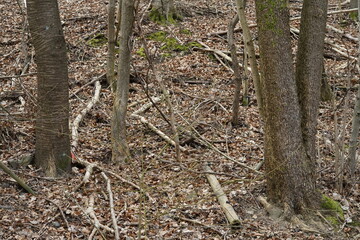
x,y
287,165
52,121
120,151
309,69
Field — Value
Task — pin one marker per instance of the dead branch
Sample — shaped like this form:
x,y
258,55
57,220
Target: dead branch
x,y
16,178
157,131
87,84
111,200
61,212
199,223
343,33
91,213
81,115
89,170
86,163
222,198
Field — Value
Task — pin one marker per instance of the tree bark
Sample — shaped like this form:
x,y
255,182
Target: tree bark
x,y
163,11
309,69
110,71
52,121
286,162
120,151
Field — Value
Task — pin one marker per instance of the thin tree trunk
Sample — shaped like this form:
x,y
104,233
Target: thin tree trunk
x,y
250,50
110,73
120,151
52,149
236,68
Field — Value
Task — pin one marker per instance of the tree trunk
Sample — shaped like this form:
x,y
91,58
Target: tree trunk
x,y
163,11
287,165
309,69
52,121
110,71
120,151
354,3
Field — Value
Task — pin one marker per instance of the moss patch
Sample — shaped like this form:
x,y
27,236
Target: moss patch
x,y
97,41
333,211
170,45
160,18
141,52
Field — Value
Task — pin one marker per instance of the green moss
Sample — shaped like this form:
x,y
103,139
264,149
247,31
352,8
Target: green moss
x,y
141,52
333,207
185,31
170,44
160,18
97,41
333,220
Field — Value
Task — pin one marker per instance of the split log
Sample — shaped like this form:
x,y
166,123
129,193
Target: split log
x,y
229,211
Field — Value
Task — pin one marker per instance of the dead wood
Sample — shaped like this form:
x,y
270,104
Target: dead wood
x,y
229,211
16,178
81,115
111,201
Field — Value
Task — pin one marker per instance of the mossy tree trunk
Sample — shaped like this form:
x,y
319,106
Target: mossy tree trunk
x,y
163,11
52,149
289,160
120,151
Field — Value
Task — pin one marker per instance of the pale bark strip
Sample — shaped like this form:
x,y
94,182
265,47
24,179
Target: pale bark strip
x,y
90,212
250,50
236,69
111,200
81,115
229,211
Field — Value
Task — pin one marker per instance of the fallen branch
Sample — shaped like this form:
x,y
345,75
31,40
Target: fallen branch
x,y
91,213
16,178
81,115
343,33
61,212
111,200
89,170
157,131
199,223
229,211
86,164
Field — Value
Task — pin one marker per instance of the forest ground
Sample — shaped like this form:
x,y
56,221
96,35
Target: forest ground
x,y
181,204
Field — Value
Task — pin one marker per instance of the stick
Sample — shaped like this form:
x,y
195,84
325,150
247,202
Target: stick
x,y
16,178
61,212
90,211
112,211
157,131
87,84
332,28
222,198
81,115
86,163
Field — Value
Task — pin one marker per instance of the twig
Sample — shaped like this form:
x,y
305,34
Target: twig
x,y
111,200
18,76
90,211
89,170
61,212
81,115
87,84
199,223
343,33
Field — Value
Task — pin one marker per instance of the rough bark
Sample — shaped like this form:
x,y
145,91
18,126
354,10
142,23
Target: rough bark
x,y
52,121
120,151
287,165
309,69
110,71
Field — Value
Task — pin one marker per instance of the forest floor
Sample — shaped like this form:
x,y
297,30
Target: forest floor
x,y
176,200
